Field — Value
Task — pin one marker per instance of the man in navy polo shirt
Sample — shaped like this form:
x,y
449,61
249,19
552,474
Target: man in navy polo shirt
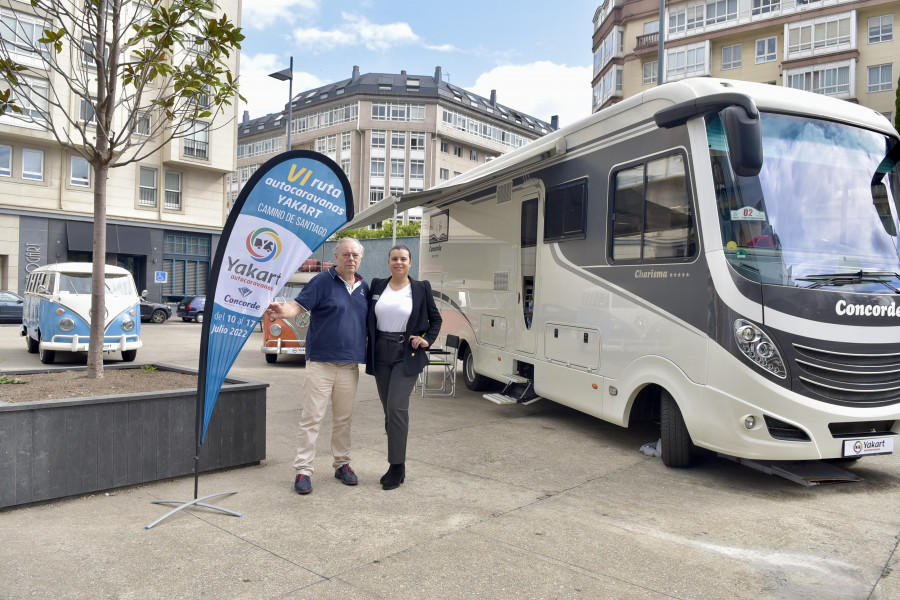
x,y
335,346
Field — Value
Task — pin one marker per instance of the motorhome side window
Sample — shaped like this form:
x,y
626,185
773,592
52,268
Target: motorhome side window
x,y
651,212
565,211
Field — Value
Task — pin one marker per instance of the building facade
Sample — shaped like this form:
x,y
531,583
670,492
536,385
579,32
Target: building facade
x,y
165,213
391,134
842,48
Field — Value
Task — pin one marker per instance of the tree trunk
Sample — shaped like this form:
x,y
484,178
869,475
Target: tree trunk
x,y
98,275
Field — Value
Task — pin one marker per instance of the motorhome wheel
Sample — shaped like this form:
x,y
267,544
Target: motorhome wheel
x,y
676,441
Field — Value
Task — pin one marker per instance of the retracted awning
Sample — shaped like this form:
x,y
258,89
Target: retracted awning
x,y
479,179
120,239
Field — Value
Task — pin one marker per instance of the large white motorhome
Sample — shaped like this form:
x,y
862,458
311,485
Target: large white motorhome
x,y
721,256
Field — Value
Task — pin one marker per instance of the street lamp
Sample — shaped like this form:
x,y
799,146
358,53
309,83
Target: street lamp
x,y
287,75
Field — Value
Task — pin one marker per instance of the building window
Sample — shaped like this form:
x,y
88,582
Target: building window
x,y
376,194
33,164
417,169
86,112
829,80
5,160
398,140
80,172
685,62
817,36
457,151
378,138
651,70
651,216
32,97
173,190
377,168
325,118
720,11
765,6
142,124
881,29
147,187
766,50
731,57
398,111
445,174
196,142
20,34
416,141
484,129
881,78
346,138
445,147
398,168
473,155
89,53
345,166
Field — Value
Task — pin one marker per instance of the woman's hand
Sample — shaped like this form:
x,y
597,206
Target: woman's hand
x,y
417,341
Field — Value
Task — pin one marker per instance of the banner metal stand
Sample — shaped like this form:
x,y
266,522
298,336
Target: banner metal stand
x,y
196,501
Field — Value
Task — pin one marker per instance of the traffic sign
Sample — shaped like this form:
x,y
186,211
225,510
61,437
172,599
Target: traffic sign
x,y
160,276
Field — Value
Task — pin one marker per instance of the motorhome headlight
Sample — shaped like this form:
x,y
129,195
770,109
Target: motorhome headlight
x,y
127,324
66,324
275,330
757,346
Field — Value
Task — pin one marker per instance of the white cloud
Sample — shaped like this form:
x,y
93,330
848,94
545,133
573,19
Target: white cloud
x,y
443,48
264,94
541,89
261,14
356,31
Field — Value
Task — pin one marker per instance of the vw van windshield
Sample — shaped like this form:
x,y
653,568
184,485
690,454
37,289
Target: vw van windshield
x,y
823,211
117,284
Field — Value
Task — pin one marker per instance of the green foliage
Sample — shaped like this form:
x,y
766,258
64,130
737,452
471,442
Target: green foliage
x,y
386,230
148,369
4,379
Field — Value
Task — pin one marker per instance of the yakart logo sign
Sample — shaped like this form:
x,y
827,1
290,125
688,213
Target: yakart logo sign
x,y
263,244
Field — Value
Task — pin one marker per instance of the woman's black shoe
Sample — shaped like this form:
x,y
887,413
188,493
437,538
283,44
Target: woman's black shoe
x,y
394,477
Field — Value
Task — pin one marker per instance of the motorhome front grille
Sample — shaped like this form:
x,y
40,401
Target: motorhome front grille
x,y
860,428
780,430
855,378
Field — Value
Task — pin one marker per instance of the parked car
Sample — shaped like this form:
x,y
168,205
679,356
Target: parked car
x,y
191,308
11,306
154,311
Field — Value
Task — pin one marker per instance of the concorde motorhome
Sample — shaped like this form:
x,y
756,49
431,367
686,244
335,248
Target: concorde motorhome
x,y
56,315
720,256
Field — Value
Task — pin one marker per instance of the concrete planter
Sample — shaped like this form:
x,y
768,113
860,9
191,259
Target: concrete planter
x,y
57,448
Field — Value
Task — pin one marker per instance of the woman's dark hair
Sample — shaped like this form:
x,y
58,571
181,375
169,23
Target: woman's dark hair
x,y
401,247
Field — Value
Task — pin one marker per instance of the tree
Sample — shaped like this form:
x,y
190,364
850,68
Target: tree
x,y
386,230
115,81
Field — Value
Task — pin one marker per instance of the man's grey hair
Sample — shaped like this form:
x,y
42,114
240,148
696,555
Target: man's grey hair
x,y
346,241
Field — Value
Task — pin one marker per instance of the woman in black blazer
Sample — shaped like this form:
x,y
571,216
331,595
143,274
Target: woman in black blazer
x,y
403,321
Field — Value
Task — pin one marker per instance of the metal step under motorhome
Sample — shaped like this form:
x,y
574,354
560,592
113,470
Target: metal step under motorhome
x,y
511,395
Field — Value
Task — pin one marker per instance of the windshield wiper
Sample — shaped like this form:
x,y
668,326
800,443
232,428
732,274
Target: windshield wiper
x,y
839,279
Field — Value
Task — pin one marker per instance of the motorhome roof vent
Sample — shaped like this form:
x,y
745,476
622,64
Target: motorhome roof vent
x,y
501,281
504,192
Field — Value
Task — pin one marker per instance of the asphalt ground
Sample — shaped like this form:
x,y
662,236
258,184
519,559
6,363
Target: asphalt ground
x,y
534,501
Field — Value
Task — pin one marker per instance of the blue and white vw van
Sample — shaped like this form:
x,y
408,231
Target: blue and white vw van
x,y
56,316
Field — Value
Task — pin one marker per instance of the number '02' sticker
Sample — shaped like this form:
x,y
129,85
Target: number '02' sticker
x,y
748,213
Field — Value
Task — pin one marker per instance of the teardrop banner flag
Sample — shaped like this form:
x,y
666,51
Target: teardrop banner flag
x,y
290,206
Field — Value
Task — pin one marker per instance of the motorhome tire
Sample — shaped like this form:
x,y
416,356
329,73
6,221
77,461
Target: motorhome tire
x,y
129,355
474,381
47,356
271,358
31,344
676,441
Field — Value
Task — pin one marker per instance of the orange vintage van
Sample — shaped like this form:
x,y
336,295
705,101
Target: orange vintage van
x,y
288,336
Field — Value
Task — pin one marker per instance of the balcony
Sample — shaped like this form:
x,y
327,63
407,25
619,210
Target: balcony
x,y
196,148
649,40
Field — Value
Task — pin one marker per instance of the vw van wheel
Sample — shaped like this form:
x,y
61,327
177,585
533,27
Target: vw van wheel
x,y
129,355
271,358
677,447
474,381
200,318
48,356
159,316
31,344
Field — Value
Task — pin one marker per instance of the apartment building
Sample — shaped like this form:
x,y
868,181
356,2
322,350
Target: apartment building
x,y
842,48
165,213
391,133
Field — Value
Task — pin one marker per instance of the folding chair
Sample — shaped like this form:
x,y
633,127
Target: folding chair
x,y
445,359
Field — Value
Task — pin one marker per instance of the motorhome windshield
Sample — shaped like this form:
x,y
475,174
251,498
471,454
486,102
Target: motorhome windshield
x,y
821,213
80,283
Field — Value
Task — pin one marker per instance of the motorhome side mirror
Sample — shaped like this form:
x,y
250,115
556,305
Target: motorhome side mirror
x,y
744,135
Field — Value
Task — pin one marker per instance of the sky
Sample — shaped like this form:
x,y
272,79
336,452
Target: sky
x,y
536,54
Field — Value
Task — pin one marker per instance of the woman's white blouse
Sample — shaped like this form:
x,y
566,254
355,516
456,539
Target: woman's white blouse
x,y
392,309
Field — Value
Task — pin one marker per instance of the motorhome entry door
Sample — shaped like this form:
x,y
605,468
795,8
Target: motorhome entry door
x,y
526,282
